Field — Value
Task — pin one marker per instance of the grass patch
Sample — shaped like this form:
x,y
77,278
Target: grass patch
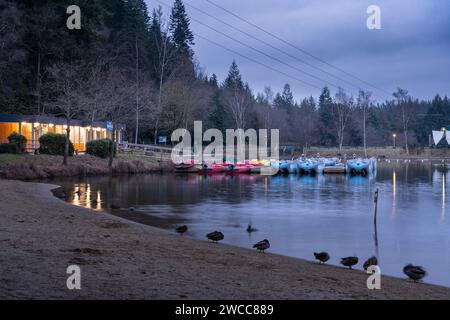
x,y
30,167
6,157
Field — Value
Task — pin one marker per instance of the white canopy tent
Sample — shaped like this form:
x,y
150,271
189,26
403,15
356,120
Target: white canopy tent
x,y
439,135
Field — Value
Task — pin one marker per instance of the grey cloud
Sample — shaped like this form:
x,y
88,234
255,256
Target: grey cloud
x,y
411,50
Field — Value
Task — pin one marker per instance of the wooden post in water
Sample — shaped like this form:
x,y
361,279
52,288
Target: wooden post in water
x,y
375,220
376,207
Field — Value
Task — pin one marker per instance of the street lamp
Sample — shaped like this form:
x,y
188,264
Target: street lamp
x,y
394,136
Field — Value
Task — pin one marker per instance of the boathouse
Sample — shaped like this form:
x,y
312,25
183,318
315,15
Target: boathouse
x,y
33,127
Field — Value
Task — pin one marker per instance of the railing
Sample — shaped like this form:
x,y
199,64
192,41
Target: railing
x,y
152,151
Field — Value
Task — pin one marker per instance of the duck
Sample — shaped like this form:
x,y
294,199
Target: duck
x,y
181,229
414,272
215,236
322,257
349,261
250,229
262,245
372,261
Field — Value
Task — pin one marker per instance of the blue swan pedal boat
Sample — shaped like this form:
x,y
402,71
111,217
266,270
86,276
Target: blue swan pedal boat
x,y
361,166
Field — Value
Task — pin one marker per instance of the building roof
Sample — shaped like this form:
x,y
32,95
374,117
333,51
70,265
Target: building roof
x,y
54,120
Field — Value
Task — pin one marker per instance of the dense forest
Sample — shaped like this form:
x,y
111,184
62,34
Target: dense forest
x,y
136,66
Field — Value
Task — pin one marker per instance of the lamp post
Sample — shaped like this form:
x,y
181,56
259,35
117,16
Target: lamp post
x,y
394,136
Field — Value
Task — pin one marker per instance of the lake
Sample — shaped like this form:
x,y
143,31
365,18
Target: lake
x,y
298,214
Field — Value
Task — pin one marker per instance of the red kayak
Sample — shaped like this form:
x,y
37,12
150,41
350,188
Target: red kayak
x,y
212,169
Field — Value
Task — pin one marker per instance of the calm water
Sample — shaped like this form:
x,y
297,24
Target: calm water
x,y
298,214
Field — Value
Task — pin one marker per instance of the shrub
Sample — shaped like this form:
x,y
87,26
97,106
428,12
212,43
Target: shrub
x,y
19,140
54,144
99,148
9,148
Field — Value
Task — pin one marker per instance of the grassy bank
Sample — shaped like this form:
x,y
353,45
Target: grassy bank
x,y
29,167
383,152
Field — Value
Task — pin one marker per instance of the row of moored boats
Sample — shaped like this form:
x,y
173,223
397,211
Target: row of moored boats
x,y
317,165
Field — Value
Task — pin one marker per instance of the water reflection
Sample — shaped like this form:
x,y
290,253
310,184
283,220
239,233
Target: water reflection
x,y
298,214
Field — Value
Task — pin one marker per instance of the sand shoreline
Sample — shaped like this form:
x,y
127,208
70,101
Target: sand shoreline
x,y
41,235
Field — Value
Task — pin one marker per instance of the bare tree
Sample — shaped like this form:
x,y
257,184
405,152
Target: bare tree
x,y
402,100
67,83
94,93
268,100
113,105
165,54
238,101
340,110
363,102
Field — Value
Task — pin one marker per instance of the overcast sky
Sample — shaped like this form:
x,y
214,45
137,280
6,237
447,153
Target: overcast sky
x,y
412,50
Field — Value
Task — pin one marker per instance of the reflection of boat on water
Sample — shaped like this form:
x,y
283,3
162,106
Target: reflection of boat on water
x,y
312,179
360,180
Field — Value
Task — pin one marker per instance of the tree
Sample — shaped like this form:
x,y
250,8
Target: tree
x,y
306,124
12,57
236,95
164,55
68,86
285,99
137,16
267,101
325,117
341,109
113,105
218,114
401,95
181,35
363,103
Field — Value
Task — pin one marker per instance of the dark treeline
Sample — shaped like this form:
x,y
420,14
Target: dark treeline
x,y
128,65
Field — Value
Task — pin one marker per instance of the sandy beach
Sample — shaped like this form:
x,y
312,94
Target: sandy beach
x,y
41,235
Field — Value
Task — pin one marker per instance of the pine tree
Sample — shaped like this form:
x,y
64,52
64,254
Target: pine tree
x,y
285,99
218,115
234,78
213,81
325,117
181,35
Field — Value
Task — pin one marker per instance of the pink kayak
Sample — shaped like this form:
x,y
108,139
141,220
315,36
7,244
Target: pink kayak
x,y
212,169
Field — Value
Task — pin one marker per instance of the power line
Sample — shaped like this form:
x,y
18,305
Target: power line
x,y
259,51
272,46
267,55
257,62
296,47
